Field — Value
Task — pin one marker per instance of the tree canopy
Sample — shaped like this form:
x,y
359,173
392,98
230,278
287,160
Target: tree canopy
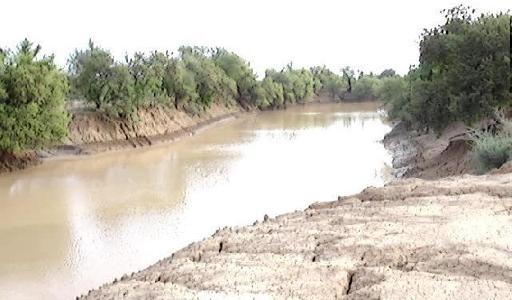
x,y
463,74
32,96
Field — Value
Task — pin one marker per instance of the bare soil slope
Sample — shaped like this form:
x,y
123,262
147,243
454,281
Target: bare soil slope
x,y
430,156
413,239
94,132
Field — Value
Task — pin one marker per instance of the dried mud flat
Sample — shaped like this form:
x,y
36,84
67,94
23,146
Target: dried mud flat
x,y
413,239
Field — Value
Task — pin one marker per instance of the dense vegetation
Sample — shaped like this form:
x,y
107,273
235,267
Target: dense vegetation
x,y
33,91
32,95
463,73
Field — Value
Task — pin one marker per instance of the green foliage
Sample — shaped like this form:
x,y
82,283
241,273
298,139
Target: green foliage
x,y
325,80
287,86
297,85
269,94
394,92
148,78
238,70
179,83
89,73
192,80
211,81
366,87
118,98
32,96
492,150
464,71
348,75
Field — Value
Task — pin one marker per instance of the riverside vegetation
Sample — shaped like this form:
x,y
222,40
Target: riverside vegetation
x,y
34,91
463,75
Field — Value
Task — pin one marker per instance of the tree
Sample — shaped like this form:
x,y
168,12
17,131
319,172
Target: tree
x,y
366,87
89,71
348,74
464,71
387,73
32,97
95,76
237,69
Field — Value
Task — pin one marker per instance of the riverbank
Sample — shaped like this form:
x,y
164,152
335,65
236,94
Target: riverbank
x,y
96,217
444,239
93,133
428,155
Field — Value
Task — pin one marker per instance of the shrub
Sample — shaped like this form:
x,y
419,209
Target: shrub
x,y
366,87
490,150
464,69
237,69
89,72
32,97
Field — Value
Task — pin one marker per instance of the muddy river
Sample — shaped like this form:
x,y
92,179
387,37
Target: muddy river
x,y
70,225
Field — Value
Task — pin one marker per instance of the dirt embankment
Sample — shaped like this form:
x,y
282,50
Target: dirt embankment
x,y
413,239
430,156
10,162
93,132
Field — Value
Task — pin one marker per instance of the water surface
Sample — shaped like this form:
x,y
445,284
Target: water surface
x,y
69,226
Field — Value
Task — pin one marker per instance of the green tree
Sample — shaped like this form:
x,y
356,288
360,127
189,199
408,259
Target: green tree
x,y
238,70
95,76
366,87
348,74
32,97
89,72
464,71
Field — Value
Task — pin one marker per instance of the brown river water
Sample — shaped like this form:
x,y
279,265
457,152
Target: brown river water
x,y
70,225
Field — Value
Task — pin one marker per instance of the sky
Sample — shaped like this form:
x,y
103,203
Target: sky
x,y
366,35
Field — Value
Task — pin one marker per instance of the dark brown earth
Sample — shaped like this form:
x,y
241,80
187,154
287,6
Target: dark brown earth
x,y
10,162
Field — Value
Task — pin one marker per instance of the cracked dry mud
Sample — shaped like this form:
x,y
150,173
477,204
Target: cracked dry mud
x,y
413,239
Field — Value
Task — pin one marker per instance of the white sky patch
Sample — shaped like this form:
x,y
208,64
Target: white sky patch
x,y
367,35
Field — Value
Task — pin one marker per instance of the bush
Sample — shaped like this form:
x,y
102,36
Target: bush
x,y
366,87
238,70
95,76
464,71
268,93
148,78
32,97
490,150
89,73
327,81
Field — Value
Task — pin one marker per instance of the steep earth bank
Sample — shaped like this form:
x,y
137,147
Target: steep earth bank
x,y
93,132
430,156
413,239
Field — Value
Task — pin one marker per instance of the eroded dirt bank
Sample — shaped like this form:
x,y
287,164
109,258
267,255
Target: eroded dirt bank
x,y
414,239
430,156
93,132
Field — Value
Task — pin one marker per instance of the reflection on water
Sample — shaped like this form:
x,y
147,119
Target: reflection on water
x,y
68,226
